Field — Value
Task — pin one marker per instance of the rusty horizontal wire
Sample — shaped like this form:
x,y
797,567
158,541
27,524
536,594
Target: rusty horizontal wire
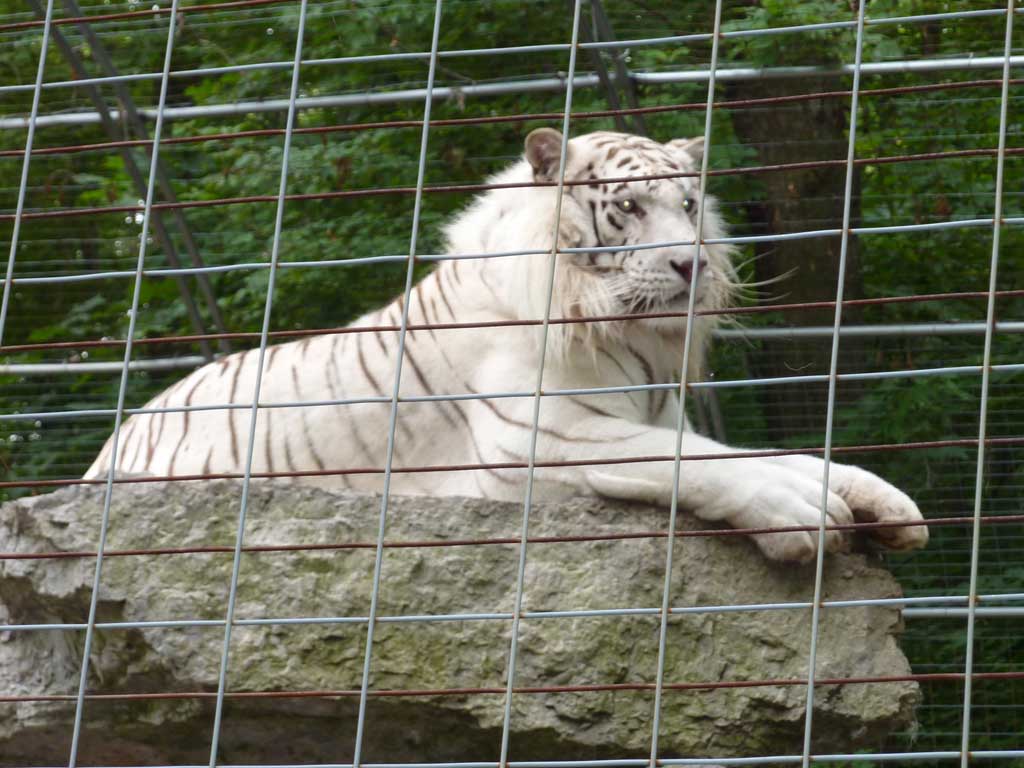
x,y
514,118
212,549
485,186
488,466
156,11
925,677
10,349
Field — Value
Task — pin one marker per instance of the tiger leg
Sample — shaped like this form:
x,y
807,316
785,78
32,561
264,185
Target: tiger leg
x,y
744,492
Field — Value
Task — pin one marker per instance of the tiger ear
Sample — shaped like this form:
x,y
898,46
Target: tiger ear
x,y
543,151
689,151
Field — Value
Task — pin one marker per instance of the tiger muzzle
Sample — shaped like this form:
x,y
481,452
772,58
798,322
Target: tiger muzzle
x,y
684,267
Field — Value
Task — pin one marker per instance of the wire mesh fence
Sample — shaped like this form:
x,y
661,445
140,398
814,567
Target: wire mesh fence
x,y
360,115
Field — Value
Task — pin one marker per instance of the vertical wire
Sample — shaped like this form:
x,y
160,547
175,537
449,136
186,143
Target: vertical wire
x,y
254,411
659,680
378,561
997,217
819,566
90,627
517,609
23,184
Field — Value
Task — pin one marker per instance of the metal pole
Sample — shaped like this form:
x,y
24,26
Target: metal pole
x,y
78,67
516,87
138,126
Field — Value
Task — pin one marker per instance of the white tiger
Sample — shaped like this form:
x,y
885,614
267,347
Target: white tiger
x,y
744,492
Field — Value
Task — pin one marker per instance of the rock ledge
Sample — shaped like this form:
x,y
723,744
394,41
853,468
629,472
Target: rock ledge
x,y
414,655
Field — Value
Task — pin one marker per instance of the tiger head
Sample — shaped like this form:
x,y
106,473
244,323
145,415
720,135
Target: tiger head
x,y
643,231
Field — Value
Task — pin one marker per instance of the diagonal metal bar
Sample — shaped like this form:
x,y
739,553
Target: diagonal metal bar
x,y
236,559
819,567
517,610
623,77
986,368
611,93
33,119
393,417
130,113
135,174
90,630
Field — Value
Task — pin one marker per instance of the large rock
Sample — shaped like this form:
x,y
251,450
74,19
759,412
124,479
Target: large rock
x,y
854,642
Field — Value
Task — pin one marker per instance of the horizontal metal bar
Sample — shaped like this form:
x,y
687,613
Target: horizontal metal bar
x,y
483,542
522,117
871,68
891,229
568,614
913,373
367,260
345,401
878,757
959,613
316,102
47,369
1008,597
80,345
730,455
358,261
888,329
714,384
512,87
749,334
30,369
475,188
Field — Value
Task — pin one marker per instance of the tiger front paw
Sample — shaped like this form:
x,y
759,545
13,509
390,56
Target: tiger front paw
x,y
781,509
892,516
902,524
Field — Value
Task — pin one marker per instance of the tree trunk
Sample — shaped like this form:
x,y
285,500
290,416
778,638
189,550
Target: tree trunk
x,y
797,201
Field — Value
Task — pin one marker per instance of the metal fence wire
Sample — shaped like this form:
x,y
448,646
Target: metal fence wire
x,y
61,389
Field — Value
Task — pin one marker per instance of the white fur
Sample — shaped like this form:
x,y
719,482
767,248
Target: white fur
x,y
745,492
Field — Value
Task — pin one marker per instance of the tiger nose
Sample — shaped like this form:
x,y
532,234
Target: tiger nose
x,y
685,268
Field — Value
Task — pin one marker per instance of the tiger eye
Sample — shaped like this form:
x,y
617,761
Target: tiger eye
x,y
626,206
689,205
